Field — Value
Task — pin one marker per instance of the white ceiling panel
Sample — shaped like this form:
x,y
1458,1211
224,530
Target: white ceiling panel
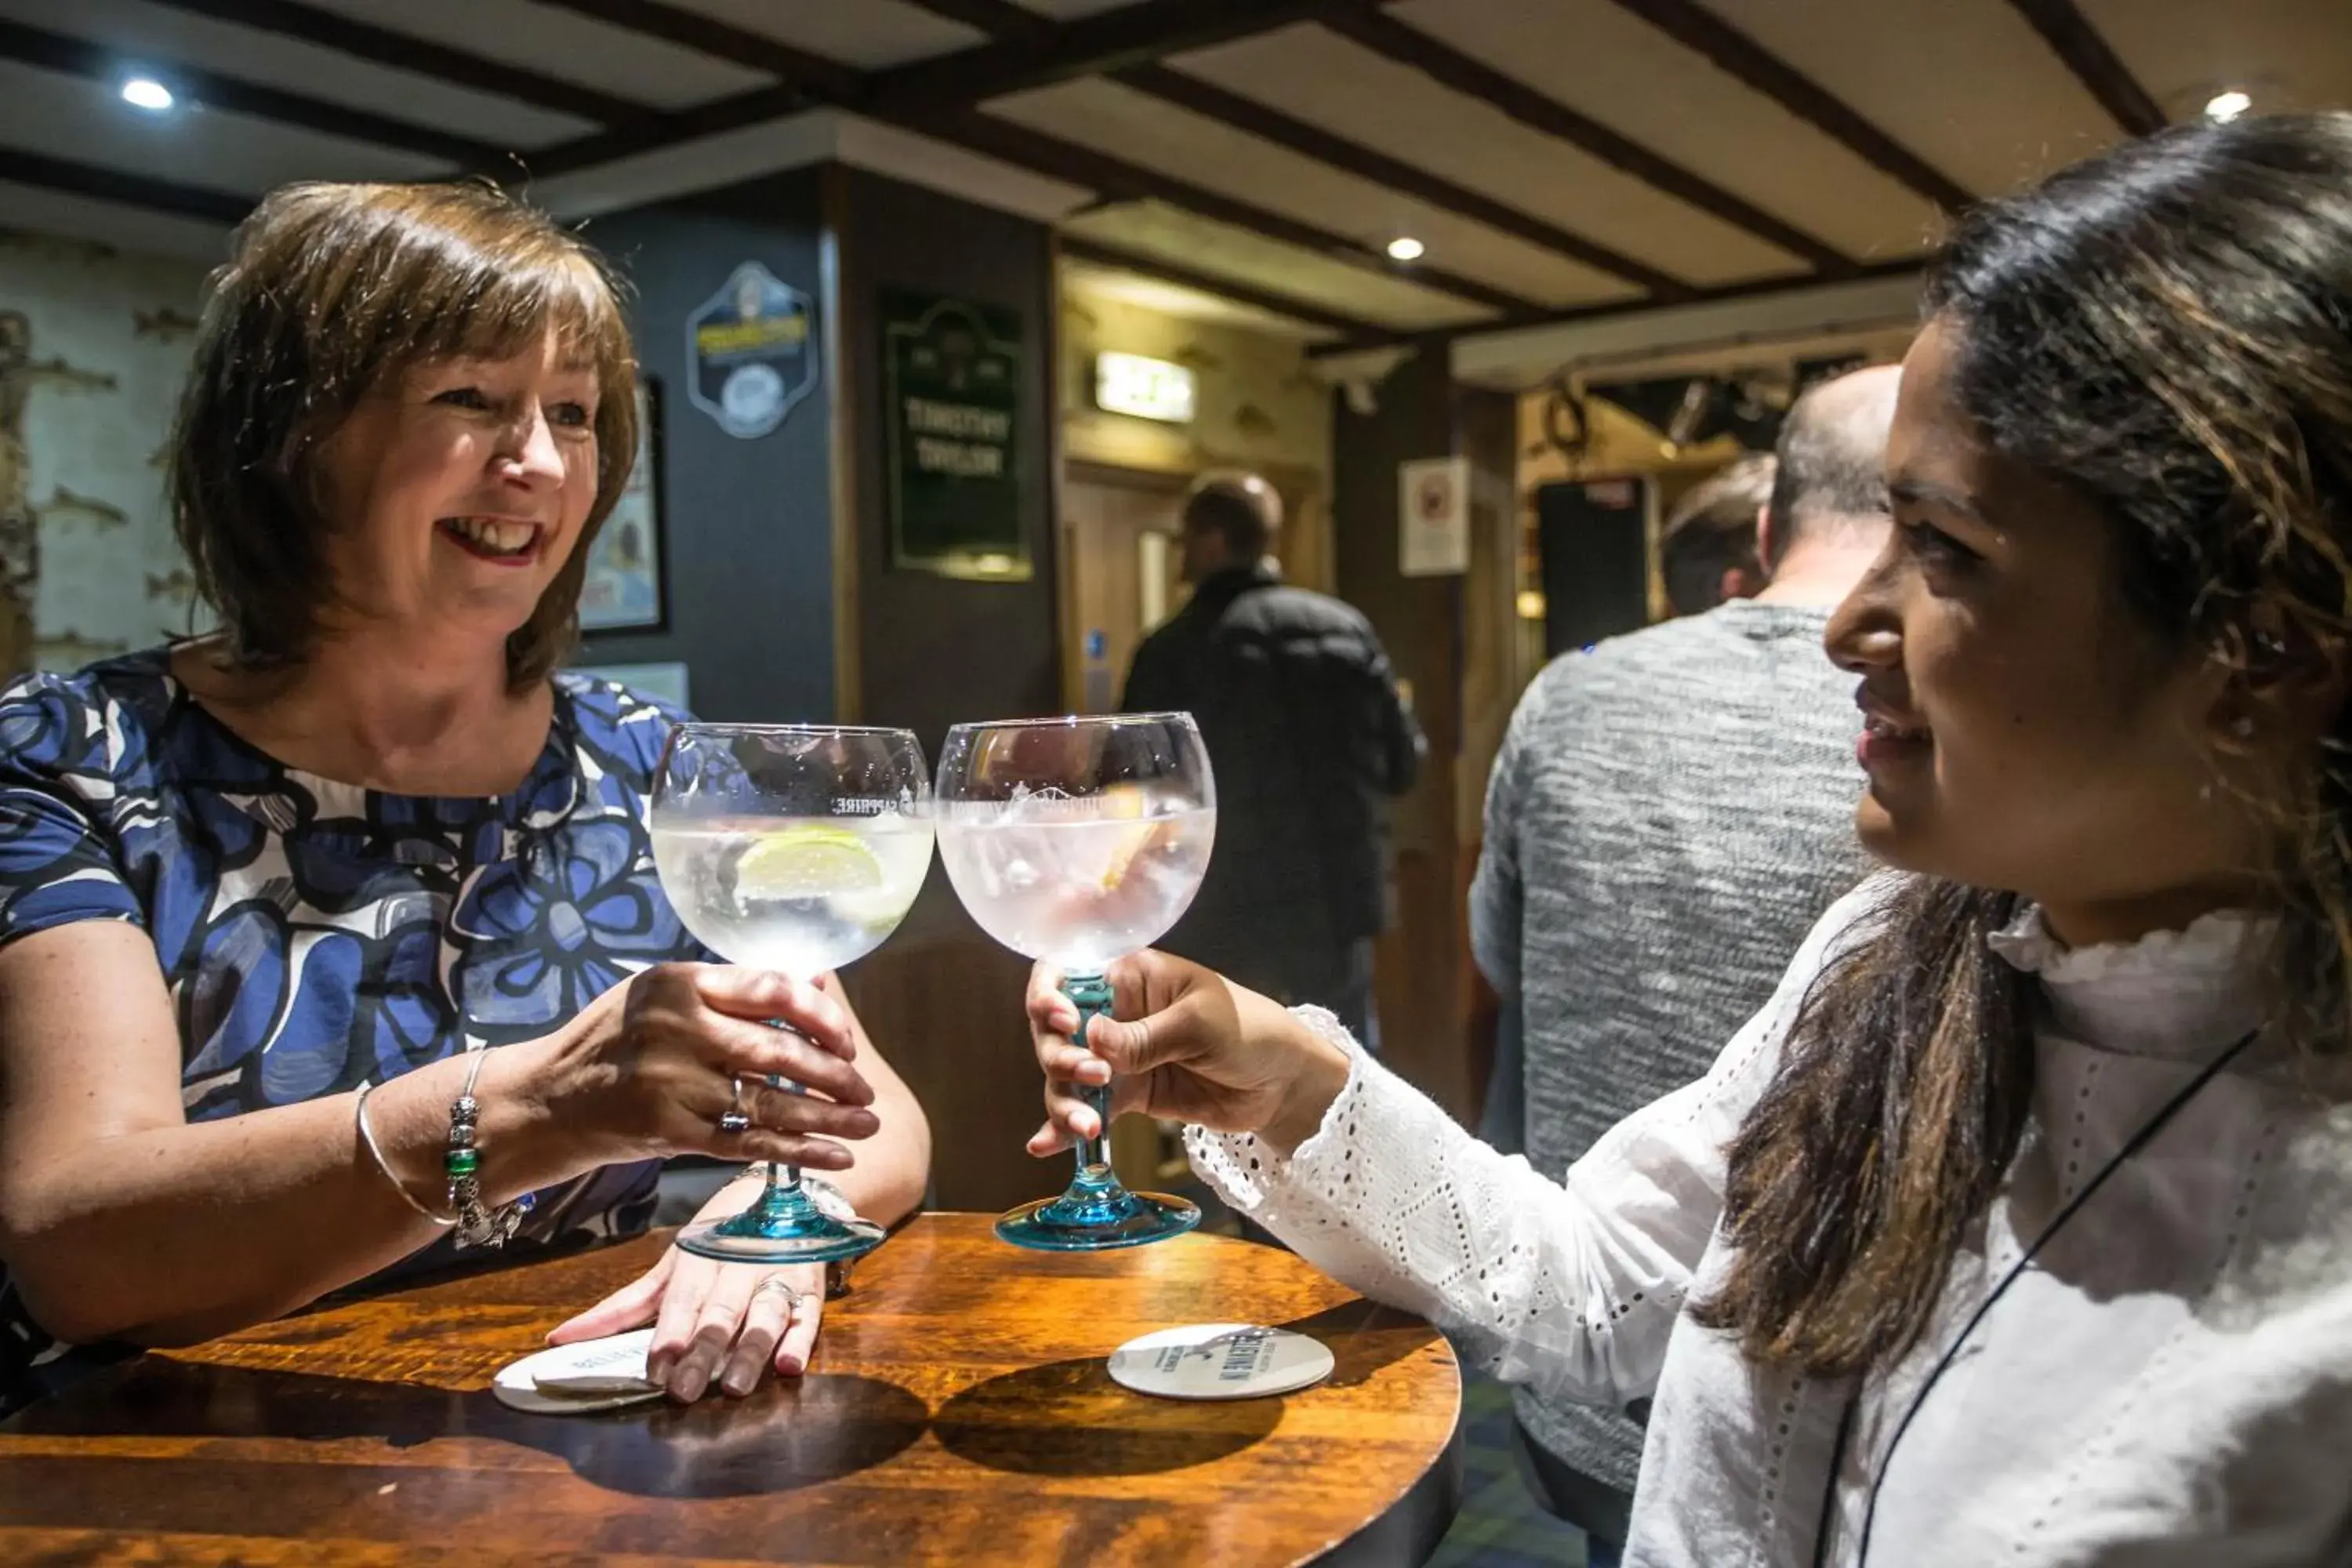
x,y
1145,130
1149,228
870,33
1680,106
66,116
157,33
1370,100
1966,84
2284,54
563,43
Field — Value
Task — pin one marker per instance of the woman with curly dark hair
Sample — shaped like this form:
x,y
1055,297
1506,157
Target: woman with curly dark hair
x,y
276,902
2017,1227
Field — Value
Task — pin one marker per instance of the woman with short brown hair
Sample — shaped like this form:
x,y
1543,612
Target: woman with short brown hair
x,y
267,897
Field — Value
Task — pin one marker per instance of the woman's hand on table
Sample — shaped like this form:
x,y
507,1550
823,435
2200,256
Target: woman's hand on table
x,y
648,1069
1189,1045
715,1324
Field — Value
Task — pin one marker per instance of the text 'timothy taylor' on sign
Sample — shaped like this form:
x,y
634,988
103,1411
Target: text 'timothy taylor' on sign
x,y
952,433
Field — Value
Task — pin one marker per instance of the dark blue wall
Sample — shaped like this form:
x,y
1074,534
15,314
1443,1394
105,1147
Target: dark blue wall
x,y
748,524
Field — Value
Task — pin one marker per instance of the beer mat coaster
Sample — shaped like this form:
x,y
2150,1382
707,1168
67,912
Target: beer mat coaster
x,y
1220,1361
574,1380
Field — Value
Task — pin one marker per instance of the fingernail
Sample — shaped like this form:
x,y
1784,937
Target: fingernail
x,y
790,1366
657,1369
736,1387
690,1386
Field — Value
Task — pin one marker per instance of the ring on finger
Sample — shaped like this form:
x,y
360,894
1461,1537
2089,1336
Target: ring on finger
x,y
735,1120
777,1283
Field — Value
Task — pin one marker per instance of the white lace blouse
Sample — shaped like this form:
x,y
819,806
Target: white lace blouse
x,y
2170,1383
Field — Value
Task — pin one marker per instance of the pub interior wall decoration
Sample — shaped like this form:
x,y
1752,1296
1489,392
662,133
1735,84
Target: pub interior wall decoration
x,y
750,352
624,586
953,432
94,346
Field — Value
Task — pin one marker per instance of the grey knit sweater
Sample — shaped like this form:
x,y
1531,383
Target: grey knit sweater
x,y
1671,813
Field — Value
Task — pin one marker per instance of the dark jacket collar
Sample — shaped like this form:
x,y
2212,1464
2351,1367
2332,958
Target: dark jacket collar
x,y
1219,589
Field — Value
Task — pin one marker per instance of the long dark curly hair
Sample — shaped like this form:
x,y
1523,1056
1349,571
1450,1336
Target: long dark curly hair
x,y
2167,329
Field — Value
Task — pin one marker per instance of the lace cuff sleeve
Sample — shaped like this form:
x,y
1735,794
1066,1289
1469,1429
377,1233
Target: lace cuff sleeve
x,y
1572,1286
1392,1196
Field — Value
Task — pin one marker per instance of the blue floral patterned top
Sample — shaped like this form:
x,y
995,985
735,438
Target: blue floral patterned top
x,y
315,935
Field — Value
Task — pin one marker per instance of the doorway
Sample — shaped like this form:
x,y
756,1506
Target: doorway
x,y
1123,570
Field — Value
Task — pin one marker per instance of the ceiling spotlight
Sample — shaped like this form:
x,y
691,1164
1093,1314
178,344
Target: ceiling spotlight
x,y
1404,248
145,92
2227,105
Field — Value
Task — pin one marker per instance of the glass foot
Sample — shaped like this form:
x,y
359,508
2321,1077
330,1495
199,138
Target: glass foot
x,y
1095,1215
781,1227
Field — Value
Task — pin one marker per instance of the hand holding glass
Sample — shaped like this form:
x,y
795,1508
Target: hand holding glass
x,y
796,848
1077,841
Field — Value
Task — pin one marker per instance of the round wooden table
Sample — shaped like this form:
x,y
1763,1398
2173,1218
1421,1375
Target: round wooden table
x,y
958,1412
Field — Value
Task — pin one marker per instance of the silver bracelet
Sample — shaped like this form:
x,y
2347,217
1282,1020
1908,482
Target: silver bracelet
x,y
375,1152
478,1225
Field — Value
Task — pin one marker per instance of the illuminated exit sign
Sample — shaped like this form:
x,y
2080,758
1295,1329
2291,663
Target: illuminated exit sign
x,y
1143,388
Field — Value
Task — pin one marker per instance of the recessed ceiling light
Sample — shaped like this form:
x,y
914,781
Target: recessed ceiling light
x,y
1404,248
2226,106
145,92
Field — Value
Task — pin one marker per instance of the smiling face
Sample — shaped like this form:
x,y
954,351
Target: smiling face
x,y
455,495
2022,728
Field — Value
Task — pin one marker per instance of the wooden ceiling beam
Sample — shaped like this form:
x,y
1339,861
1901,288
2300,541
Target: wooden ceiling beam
x,y
997,18
1108,41
1269,124
2073,38
170,196
1074,164
818,77
212,89
1696,28
808,82
1450,67
1079,249
406,51
960,125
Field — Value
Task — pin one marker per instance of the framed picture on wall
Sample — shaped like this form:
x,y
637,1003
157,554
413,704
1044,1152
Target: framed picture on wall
x,y
623,588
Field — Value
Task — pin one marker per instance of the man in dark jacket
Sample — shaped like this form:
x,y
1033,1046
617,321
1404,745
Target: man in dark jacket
x,y
1307,734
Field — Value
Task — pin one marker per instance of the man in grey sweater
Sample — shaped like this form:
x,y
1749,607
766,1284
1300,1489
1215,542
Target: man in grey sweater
x,y
1671,812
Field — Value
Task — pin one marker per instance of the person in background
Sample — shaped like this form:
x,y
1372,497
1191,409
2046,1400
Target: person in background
x,y
1707,551
273,900
1669,815
1709,555
1308,736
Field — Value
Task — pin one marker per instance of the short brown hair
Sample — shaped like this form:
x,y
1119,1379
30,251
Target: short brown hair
x,y
1712,529
332,292
1243,509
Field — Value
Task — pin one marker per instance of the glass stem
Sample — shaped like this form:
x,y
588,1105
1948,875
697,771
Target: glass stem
x,y
781,1195
783,1188
1092,996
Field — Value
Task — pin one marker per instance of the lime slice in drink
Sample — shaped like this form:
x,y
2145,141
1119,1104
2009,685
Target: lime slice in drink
x,y
1131,843
807,861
